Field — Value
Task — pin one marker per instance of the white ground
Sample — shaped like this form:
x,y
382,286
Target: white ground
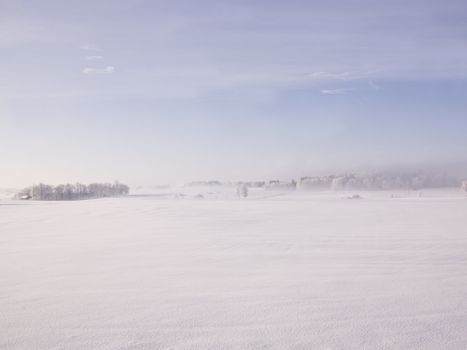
x,y
274,271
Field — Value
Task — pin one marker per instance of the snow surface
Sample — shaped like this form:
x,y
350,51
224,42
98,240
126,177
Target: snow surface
x,y
273,271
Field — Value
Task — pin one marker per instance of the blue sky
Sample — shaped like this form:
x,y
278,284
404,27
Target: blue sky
x,y
165,91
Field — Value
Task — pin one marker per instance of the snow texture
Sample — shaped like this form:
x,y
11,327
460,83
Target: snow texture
x,y
272,271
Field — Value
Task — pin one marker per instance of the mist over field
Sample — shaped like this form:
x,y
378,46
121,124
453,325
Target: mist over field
x,y
233,174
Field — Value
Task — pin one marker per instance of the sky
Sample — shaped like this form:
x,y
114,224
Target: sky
x,y
153,92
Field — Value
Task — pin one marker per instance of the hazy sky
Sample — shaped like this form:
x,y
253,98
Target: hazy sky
x,y
150,92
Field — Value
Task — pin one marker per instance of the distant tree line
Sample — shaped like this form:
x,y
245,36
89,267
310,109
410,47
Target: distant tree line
x,y
76,191
377,181
281,185
352,181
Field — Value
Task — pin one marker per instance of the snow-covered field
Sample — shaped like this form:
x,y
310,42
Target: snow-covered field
x,y
273,271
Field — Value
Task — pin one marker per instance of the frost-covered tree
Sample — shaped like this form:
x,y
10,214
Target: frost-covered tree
x,y
464,185
242,190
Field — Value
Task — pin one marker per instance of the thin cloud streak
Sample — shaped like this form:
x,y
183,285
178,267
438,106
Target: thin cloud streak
x,y
106,70
94,58
89,47
342,91
350,75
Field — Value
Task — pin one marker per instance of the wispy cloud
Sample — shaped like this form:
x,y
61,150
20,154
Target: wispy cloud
x,y
335,76
89,47
93,58
374,86
106,70
342,91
